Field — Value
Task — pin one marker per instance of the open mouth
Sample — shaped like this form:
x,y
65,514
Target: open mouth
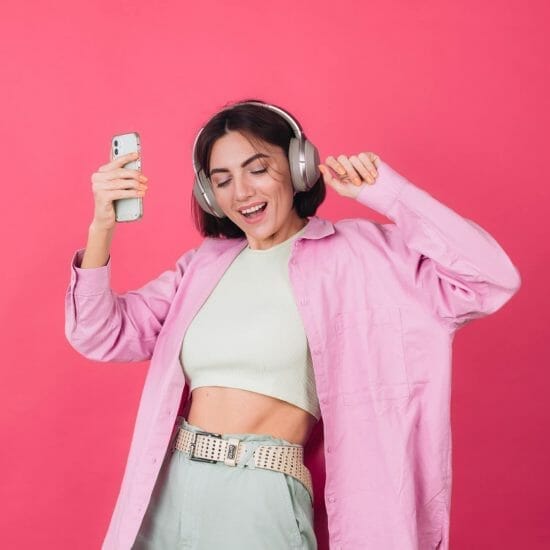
x,y
256,213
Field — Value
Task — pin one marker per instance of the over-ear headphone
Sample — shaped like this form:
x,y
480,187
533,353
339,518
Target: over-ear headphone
x,y
303,159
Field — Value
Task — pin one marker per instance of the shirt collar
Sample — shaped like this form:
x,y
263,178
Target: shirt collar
x,y
317,228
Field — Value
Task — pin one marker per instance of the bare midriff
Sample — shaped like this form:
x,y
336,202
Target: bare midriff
x,y
231,410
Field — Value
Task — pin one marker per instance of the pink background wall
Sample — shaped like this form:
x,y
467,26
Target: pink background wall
x,y
454,95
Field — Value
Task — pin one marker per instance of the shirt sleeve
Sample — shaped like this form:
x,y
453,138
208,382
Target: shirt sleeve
x,y
104,325
458,266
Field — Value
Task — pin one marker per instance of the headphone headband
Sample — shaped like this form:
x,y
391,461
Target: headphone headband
x,y
294,124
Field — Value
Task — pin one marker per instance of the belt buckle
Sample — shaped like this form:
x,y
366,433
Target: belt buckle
x,y
192,445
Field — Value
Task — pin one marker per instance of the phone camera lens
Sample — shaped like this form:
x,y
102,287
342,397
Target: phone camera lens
x,y
116,151
116,142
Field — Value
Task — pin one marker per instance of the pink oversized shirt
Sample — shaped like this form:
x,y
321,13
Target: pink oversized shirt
x,y
380,304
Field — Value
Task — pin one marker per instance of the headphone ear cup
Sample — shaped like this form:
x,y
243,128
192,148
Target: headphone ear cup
x,y
213,208
294,163
312,173
312,164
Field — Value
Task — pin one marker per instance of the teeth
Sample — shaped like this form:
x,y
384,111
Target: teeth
x,y
253,209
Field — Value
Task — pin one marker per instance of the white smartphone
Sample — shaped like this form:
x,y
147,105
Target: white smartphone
x,y
129,209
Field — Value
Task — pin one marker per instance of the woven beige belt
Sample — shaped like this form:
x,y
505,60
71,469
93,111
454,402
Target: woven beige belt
x,y
210,447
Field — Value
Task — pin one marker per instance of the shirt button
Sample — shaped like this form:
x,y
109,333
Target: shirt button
x,y
329,449
303,301
331,499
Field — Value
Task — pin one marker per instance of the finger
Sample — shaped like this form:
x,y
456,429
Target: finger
x,y
114,194
119,184
126,173
361,168
335,165
122,173
368,160
119,161
328,177
342,188
351,172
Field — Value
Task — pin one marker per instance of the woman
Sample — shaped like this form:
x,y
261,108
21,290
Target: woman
x,y
278,318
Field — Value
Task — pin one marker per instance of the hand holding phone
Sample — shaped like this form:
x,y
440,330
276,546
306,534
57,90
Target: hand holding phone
x,y
112,182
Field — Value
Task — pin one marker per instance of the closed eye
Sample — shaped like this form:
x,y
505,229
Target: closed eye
x,y
222,183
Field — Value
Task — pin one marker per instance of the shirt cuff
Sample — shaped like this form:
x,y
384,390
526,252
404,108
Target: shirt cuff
x,y
387,186
90,280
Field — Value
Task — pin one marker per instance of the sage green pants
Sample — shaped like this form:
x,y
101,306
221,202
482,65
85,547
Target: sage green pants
x,y
204,506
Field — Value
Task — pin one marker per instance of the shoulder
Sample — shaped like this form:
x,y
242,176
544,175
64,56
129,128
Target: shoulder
x,y
368,240
364,230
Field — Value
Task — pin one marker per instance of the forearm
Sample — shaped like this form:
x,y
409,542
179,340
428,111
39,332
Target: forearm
x,y
98,247
460,268
105,325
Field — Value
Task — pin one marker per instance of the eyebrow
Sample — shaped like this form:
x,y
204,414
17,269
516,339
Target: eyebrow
x,y
247,161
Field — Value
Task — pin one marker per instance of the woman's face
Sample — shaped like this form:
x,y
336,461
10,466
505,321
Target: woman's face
x,y
240,180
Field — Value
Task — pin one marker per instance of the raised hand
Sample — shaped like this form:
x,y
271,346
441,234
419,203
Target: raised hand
x,y
353,172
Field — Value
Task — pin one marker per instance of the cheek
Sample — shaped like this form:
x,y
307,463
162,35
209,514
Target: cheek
x,y
224,203
282,189
221,196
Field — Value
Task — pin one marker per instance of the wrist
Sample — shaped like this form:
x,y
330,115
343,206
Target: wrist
x,y
97,228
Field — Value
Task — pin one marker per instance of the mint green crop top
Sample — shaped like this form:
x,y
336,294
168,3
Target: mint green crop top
x,y
249,334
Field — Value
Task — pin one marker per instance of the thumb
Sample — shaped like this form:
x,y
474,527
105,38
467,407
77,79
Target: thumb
x,y
327,176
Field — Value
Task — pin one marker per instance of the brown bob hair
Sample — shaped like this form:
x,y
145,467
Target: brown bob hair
x,y
254,122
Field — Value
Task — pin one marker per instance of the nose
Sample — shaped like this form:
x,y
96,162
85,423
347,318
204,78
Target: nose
x,y
243,189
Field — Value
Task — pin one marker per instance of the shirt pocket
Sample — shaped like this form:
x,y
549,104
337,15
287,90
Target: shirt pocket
x,y
371,360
